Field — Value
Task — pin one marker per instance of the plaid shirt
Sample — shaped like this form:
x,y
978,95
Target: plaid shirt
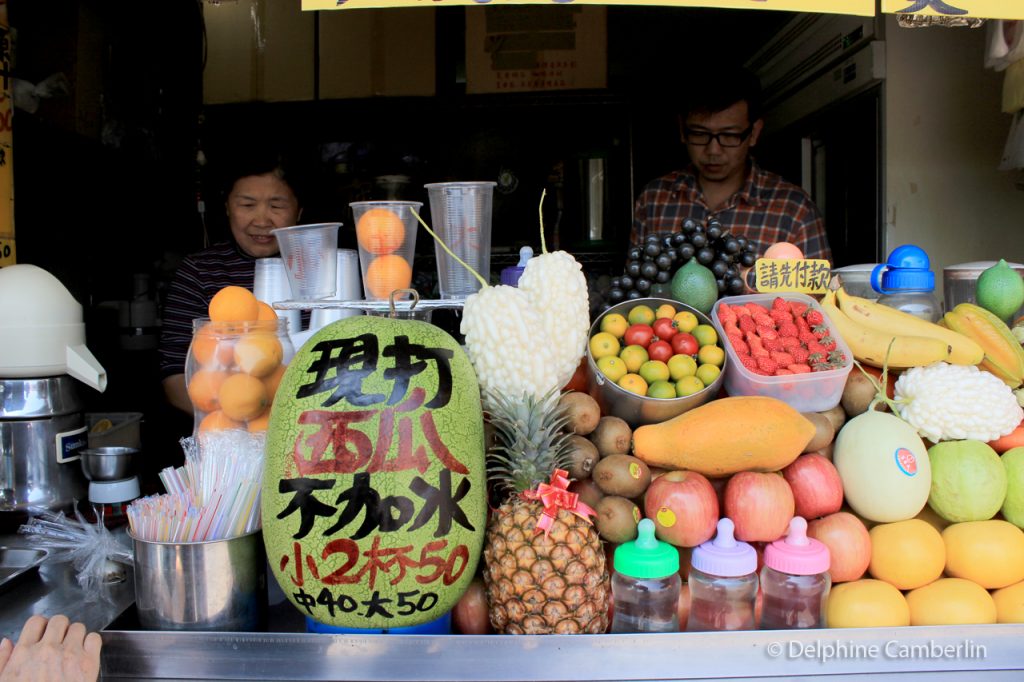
x,y
766,210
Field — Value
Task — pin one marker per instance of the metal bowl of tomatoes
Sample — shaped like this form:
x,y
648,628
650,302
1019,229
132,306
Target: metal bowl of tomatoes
x,y
647,371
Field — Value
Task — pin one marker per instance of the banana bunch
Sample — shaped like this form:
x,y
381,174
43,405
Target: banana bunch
x,y
880,335
1003,354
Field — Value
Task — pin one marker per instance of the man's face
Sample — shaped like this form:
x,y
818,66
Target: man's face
x,y
715,162
256,205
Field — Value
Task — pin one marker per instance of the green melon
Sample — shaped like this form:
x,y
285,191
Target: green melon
x,y
374,485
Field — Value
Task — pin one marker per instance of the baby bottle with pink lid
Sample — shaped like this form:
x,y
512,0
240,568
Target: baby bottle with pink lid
x,y
795,581
723,583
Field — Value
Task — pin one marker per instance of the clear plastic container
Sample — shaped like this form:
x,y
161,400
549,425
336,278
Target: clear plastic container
x,y
232,372
795,581
813,392
461,217
921,304
386,236
723,583
646,584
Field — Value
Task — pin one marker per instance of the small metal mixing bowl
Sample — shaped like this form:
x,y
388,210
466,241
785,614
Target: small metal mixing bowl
x,y
107,463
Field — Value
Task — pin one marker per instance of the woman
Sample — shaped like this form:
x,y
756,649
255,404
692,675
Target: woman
x,y
261,198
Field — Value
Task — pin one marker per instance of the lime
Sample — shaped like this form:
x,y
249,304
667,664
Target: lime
x,y
711,355
689,386
661,389
615,324
634,383
1000,290
685,321
705,334
641,314
680,366
708,373
634,356
603,344
612,367
654,370
695,285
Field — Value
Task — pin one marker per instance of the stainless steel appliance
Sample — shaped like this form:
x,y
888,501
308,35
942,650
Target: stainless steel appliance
x,y
42,424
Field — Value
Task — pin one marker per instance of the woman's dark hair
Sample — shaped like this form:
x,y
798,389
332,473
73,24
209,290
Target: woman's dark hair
x,y
261,161
718,88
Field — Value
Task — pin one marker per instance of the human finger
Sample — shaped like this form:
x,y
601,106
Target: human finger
x,y
93,644
6,646
32,631
56,629
74,638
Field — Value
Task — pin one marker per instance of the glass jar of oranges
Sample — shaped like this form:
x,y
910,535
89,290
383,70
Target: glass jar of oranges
x,y
232,372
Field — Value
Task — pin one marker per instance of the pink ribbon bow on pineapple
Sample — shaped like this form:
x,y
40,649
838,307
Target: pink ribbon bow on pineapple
x,y
555,496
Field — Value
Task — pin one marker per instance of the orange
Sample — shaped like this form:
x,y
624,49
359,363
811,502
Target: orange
x,y
906,554
272,381
260,423
258,353
204,388
265,312
210,350
385,274
217,421
380,231
242,397
234,304
634,383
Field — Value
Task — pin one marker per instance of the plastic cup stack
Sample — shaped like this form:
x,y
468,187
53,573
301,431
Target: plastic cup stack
x,y
271,285
308,252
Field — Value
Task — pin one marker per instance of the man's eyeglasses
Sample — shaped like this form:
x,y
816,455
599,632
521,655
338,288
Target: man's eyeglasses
x,y
728,139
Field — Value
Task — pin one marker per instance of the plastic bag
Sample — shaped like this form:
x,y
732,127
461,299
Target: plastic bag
x,y
97,556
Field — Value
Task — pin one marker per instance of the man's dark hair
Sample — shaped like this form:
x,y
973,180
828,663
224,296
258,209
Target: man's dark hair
x,y
717,89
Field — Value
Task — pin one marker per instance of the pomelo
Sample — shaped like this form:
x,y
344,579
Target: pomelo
x,y
1010,604
866,604
968,480
695,285
1013,505
951,601
990,553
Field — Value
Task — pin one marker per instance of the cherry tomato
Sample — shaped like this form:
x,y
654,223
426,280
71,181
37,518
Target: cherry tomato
x,y
664,328
640,335
684,343
660,350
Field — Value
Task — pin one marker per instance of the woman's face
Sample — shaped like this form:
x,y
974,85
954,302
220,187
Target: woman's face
x,y
256,205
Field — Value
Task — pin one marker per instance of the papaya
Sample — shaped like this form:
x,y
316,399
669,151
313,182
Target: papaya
x,y
1004,356
725,436
374,499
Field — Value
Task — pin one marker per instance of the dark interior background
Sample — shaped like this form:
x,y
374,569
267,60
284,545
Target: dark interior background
x,y
110,189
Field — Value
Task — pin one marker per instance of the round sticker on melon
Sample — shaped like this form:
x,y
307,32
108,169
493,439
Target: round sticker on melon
x,y
374,483
906,461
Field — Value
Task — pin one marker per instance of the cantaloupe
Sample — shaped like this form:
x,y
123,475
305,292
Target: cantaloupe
x,y
725,436
374,485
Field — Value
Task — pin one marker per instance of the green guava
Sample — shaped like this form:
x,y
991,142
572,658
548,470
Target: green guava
x,y
968,480
1013,505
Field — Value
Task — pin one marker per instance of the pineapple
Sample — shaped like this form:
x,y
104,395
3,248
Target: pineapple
x,y
538,583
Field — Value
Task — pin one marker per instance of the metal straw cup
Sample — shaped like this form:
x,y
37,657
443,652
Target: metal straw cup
x,y
461,217
216,585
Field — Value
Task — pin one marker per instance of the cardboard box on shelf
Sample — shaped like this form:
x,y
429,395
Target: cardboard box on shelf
x,y
526,49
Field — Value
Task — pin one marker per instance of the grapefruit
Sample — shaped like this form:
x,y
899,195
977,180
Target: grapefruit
x,y
695,285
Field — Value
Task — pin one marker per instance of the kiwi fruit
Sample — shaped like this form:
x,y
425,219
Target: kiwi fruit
x,y
612,436
582,410
617,519
622,475
824,432
588,491
582,456
858,393
837,415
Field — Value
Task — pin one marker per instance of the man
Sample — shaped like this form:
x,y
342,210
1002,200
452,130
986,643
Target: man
x,y
261,197
719,125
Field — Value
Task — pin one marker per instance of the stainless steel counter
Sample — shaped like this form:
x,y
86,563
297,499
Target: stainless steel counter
x,y
976,652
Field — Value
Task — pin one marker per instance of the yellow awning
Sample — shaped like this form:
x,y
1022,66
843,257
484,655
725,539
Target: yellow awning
x,y
864,8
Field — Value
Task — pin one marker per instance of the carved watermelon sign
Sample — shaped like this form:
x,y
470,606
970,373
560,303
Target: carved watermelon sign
x,y
374,501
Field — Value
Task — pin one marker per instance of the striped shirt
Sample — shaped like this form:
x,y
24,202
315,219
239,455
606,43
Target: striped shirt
x,y
198,278
766,210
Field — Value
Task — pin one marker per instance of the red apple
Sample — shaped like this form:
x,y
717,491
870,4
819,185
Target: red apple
x,y
684,508
760,505
685,553
660,351
817,488
470,616
848,542
683,606
638,335
684,343
664,328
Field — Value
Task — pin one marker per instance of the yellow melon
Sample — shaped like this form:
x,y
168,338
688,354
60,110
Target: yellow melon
x,y
1010,603
951,601
991,553
906,554
866,603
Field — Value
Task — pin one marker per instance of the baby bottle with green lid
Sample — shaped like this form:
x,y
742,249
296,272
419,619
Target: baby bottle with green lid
x,y
646,584
723,583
